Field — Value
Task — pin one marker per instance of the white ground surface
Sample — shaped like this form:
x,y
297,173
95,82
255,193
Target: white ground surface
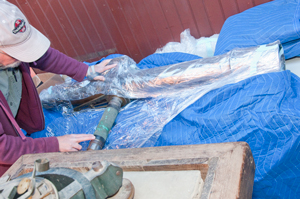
x,y
293,65
166,184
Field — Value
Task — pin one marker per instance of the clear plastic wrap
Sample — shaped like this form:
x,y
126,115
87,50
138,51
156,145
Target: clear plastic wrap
x,y
163,92
203,47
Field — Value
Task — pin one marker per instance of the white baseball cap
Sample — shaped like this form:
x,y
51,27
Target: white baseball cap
x,y
18,38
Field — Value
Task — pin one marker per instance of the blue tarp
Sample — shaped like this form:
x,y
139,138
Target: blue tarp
x,y
263,24
263,111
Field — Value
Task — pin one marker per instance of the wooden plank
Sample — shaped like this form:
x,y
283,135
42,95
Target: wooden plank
x,y
239,164
228,168
75,27
159,21
229,7
120,18
209,180
186,17
136,28
258,2
215,14
172,18
147,26
99,24
99,33
245,4
111,25
201,17
87,14
52,14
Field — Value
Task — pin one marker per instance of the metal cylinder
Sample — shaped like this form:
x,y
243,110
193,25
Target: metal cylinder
x,y
107,120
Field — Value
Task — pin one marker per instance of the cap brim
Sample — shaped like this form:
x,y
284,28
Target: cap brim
x,y
30,50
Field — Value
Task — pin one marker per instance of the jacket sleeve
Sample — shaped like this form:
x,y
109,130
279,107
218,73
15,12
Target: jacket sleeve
x,y
15,147
59,63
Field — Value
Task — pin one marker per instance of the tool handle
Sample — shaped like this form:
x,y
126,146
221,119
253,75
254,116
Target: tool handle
x,y
107,120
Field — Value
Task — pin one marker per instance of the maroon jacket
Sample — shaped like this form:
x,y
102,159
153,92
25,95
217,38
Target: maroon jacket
x,y
30,116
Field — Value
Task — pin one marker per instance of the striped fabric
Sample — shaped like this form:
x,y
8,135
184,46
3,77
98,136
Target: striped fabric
x,y
263,24
263,111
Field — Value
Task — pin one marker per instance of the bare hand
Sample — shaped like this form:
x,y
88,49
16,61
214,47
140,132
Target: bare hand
x,y
95,71
71,142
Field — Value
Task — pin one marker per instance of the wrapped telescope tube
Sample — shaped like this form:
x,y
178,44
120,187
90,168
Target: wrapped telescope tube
x,y
127,81
163,92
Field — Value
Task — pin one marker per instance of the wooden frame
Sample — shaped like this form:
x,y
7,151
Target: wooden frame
x,y
227,168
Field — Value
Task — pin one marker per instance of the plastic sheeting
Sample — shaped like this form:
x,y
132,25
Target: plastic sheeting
x,y
263,24
146,118
180,81
170,88
263,110
166,91
202,47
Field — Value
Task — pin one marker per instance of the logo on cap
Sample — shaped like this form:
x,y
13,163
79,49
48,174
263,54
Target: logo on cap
x,y
19,26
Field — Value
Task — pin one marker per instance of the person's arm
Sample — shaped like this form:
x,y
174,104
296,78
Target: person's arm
x,y
59,63
13,147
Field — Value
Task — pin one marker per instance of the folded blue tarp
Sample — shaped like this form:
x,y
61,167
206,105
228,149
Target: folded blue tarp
x,y
263,24
263,111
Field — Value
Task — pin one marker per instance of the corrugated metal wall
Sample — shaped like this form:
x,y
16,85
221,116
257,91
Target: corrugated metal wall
x,y
90,29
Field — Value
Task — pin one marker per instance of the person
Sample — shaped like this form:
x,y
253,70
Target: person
x,y
21,47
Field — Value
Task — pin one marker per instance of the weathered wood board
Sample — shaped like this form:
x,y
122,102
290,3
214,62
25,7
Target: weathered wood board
x,y
227,168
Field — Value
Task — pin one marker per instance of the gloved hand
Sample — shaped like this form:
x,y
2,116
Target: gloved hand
x,y
94,71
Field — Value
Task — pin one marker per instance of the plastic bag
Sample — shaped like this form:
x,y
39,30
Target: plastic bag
x,y
203,47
